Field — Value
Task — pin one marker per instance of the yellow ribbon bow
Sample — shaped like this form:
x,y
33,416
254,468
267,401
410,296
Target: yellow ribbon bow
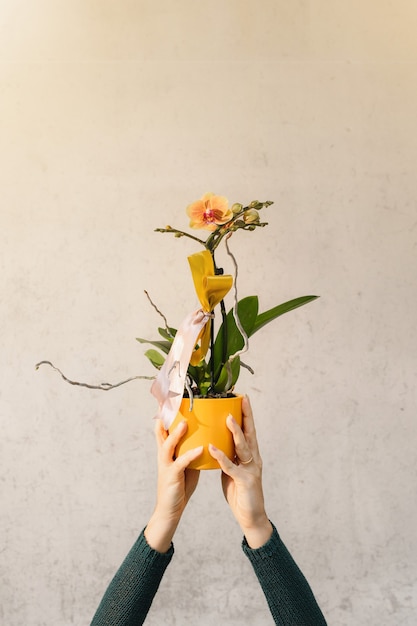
x,y
211,288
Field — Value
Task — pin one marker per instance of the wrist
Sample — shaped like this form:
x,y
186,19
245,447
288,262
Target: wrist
x,y
160,531
258,533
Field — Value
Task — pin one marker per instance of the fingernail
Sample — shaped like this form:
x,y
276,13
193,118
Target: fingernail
x,y
212,447
182,425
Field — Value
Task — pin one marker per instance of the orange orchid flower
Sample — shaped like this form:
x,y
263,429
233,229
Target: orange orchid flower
x,y
209,212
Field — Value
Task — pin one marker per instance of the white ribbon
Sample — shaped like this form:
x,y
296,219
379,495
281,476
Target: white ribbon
x,y
168,387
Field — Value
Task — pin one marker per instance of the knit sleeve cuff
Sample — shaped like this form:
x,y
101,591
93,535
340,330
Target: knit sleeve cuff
x,y
144,551
269,548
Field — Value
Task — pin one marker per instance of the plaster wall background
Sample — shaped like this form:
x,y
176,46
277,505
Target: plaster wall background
x,y
114,117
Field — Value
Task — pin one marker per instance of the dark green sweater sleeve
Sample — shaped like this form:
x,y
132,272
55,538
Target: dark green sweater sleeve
x,y
289,596
129,595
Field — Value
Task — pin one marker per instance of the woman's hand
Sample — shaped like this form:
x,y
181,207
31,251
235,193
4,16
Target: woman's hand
x,y
242,480
176,484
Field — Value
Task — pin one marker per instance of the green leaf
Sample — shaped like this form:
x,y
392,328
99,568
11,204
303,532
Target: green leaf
x,y
223,380
247,310
204,388
155,358
266,317
169,336
198,373
164,346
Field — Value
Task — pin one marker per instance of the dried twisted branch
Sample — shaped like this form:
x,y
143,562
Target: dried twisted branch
x,y
101,387
159,313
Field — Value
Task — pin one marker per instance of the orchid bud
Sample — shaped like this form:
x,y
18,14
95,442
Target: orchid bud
x,y
251,216
236,208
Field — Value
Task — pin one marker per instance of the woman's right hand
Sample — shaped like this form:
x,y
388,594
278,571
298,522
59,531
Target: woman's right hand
x,y
242,479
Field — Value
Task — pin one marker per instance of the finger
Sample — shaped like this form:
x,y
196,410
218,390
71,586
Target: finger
x,y
170,443
242,447
248,426
183,461
225,463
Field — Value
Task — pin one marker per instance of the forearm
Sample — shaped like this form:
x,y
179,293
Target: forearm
x,y
288,593
129,596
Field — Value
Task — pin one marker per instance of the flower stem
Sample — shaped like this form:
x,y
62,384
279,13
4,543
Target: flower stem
x,y
211,353
180,233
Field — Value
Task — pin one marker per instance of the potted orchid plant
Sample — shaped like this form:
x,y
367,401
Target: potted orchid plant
x,y
199,363
187,377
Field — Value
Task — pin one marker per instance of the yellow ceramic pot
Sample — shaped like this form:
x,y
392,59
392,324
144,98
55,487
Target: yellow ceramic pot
x,y
207,424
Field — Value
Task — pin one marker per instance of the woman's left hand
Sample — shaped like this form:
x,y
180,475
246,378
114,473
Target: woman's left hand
x,y
176,484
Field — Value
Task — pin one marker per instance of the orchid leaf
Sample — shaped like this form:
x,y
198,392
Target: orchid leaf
x,y
267,316
164,346
247,310
155,358
168,334
229,338
198,373
223,383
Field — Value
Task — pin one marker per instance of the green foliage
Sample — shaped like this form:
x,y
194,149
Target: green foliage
x,y
155,358
272,314
164,346
228,342
229,338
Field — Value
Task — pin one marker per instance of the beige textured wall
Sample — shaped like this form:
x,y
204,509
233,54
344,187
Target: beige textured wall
x,y
113,117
